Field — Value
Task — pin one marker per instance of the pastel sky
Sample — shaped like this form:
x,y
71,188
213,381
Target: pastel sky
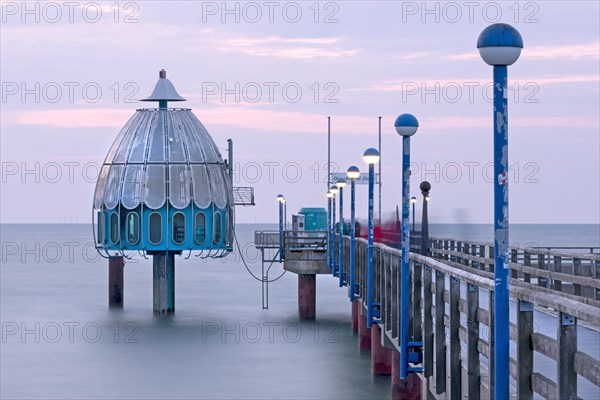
x,y
267,75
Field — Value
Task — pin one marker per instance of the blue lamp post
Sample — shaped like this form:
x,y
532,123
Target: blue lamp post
x,y
352,173
329,250
334,190
406,125
281,200
340,184
500,45
371,157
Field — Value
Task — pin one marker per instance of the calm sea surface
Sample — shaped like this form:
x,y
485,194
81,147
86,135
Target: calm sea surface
x,y
60,340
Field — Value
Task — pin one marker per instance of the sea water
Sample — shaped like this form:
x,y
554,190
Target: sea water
x,y
60,340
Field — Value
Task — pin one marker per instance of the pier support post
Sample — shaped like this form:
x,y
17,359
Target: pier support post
x,y
115,281
404,389
364,333
163,267
307,295
381,357
355,315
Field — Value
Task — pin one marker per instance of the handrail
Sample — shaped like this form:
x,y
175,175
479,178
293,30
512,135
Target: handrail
x,y
439,307
582,311
544,250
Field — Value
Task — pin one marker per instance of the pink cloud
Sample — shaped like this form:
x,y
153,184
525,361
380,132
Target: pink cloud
x,y
280,121
409,84
570,51
292,48
76,118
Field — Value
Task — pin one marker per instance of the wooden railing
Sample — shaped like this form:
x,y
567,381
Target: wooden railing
x,y
576,274
446,315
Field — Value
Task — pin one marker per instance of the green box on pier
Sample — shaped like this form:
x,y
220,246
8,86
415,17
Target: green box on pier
x,y
315,218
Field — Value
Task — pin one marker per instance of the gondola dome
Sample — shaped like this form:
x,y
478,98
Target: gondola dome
x,y
164,162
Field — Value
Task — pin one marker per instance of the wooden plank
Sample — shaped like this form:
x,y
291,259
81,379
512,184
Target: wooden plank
x,y
455,362
559,276
545,345
543,386
565,364
440,334
587,367
473,372
524,349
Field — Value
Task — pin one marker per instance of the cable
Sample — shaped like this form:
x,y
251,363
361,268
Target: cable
x,y
246,265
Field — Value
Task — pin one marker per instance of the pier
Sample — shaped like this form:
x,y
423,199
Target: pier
x,y
451,293
554,309
459,275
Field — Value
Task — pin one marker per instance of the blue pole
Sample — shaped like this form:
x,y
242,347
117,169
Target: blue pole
x,y
370,250
280,231
333,238
341,263
501,300
351,283
405,270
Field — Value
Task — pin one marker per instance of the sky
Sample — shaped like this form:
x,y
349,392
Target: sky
x,y
268,74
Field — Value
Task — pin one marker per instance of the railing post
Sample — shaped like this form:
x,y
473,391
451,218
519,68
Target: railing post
x,y
597,276
427,322
514,257
482,254
557,285
474,384
455,367
466,247
440,334
577,272
391,299
491,344
446,257
395,265
524,350
417,324
527,262
543,282
565,366
491,341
